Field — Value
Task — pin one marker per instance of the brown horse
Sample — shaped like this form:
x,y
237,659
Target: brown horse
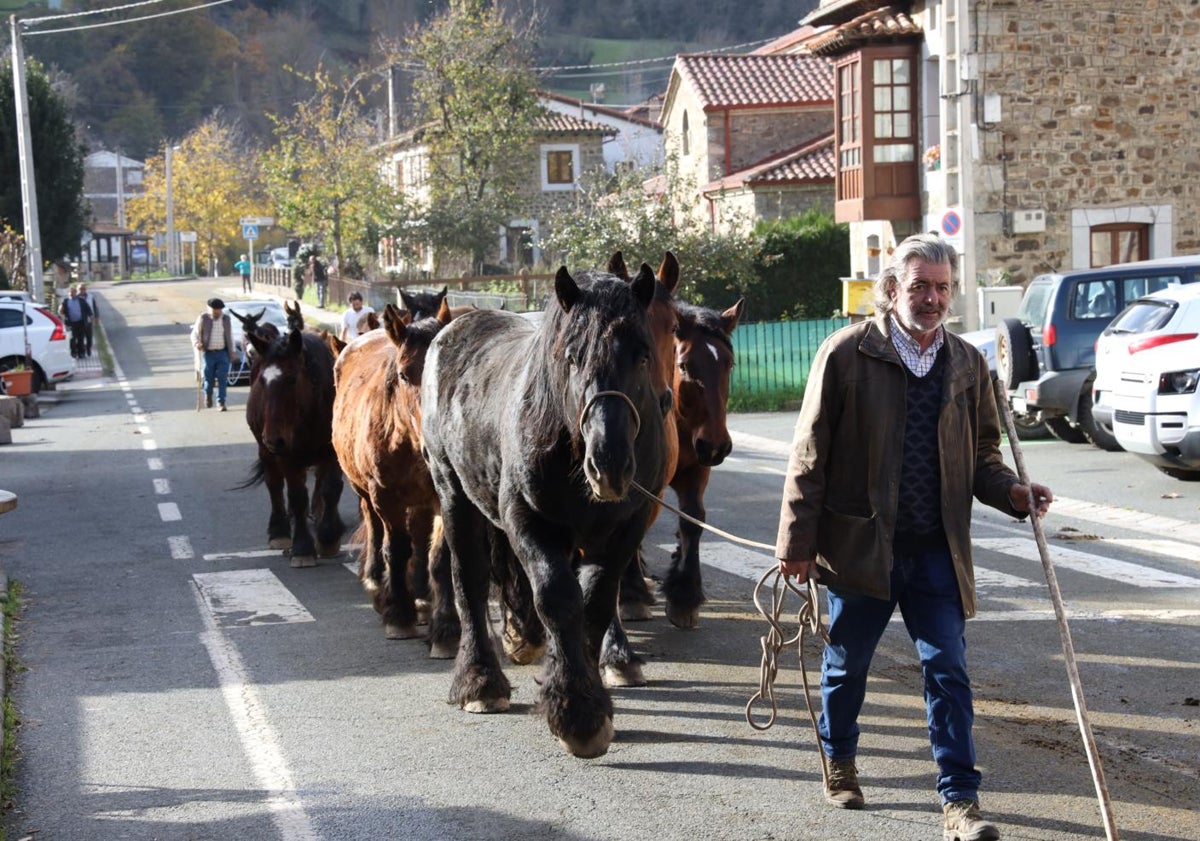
x,y
289,411
377,436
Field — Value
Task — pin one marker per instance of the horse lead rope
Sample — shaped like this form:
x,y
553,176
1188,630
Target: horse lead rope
x,y
774,641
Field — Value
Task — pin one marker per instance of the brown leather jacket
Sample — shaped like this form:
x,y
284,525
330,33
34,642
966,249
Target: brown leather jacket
x,y
840,495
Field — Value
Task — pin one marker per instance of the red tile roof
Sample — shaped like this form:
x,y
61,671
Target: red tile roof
x,y
597,108
733,81
840,11
555,123
872,26
810,163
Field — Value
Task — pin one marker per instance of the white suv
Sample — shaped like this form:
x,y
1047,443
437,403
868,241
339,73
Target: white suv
x,y
1147,370
48,342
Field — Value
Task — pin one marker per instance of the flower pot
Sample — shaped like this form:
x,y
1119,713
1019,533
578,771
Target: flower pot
x,y
18,383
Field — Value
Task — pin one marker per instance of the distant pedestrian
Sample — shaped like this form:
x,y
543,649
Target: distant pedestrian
x,y
244,268
76,312
319,277
351,317
95,316
212,336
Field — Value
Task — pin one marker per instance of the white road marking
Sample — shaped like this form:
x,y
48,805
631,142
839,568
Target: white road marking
x,y
162,486
149,444
1135,575
987,579
1111,515
254,553
154,463
144,430
253,725
249,597
169,512
181,548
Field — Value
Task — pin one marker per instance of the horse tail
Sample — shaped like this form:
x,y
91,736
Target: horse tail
x,y
258,474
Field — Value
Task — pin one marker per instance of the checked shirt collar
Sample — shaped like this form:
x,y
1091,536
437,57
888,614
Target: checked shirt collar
x,y
910,352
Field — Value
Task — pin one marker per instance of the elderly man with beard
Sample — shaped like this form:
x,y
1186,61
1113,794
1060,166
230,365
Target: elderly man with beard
x,y
897,431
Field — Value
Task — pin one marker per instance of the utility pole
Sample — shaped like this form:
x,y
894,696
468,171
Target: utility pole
x,y
29,206
170,215
121,216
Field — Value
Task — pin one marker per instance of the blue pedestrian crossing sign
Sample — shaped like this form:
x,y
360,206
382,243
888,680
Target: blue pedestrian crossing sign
x,y
249,231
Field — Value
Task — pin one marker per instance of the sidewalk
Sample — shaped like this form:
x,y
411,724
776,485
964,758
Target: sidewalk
x,y
314,316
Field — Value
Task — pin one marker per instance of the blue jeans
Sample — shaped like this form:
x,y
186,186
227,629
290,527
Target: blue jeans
x,y
216,366
925,588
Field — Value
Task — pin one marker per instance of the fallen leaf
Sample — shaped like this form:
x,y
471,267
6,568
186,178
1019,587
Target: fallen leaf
x,y
1172,495
1077,536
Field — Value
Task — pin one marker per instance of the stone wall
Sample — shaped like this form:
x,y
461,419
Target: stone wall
x,y
756,135
1098,114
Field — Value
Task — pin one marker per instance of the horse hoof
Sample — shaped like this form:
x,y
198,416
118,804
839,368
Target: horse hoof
x,y
597,745
279,543
486,705
651,585
685,619
371,586
624,674
443,650
635,612
303,561
520,652
330,551
424,609
400,632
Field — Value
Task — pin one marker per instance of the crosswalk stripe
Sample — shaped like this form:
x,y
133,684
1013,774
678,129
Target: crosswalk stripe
x,y
1125,572
249,597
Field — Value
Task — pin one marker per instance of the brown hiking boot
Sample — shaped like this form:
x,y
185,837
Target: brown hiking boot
x,y
964,823
841,789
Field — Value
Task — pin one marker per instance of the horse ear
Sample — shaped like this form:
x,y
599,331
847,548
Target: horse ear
x,y
260,344
566,289
241,317
334,344
668,272
372,322
643,285
616,265
443,313
442,294
407,300
729,318
395,324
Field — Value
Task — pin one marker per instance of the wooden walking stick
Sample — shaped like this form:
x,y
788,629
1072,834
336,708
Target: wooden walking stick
x,y
1064,632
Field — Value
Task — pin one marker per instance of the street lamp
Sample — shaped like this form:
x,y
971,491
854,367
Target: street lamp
x,y
170,214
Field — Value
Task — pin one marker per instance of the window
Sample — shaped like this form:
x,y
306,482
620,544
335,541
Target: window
x,y
1119,243
684,140
559,166
894,129
849,118
399,175
1095,299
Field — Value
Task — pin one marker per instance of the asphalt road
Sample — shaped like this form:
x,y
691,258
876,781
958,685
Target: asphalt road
x,y
181,682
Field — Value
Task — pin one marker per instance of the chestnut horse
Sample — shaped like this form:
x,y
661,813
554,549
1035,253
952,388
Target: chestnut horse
x,y
533,436
289,411
376,432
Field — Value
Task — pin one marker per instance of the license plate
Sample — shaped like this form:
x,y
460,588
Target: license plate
x,y
1020,406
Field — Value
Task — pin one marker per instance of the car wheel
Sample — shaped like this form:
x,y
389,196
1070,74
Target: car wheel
x,y
1030,427
1015,362
1096,432
1061,429
1181,474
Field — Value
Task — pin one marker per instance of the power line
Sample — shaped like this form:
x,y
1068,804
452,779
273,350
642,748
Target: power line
x,y
647,60
129,20
30,21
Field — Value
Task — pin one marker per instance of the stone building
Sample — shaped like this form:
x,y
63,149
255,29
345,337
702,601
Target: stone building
x,y
569,151
750,136
1035,136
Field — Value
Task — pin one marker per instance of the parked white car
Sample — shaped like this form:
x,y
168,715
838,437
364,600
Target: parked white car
x,y
272,313
49,343
1147,370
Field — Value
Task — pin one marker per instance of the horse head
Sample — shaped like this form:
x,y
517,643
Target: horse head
x,y
412,339
662,317
294,380
703,364
295,321
422,304
368,322
602,350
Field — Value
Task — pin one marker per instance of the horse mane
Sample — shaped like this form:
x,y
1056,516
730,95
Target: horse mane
x,y
604,301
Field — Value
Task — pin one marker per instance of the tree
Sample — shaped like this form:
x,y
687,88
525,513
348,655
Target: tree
x,y
57,160
476,99
324,173
215,181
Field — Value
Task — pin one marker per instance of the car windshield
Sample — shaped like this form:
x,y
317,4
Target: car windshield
x,y
273,314
1143,316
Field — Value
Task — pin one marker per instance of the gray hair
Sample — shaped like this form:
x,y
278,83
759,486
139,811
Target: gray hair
x,y
928,247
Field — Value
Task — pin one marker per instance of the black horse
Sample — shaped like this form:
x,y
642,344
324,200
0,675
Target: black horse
x,y
290,413
422,304
534,437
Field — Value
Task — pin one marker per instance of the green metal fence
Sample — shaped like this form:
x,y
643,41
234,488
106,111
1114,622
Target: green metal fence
x,y
772,359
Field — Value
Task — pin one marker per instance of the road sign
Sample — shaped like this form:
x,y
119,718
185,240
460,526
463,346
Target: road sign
x,y
188,236
951,223
249,231
259,221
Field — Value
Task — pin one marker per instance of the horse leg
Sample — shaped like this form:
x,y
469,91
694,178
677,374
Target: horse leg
x,y
370,558
303,549
394,601
279,525
577,707
636,597
478,684
444,627
524,638
619,664
682,586
419,522
328,491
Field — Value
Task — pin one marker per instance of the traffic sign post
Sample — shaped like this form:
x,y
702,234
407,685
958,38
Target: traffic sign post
x,y
951,227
